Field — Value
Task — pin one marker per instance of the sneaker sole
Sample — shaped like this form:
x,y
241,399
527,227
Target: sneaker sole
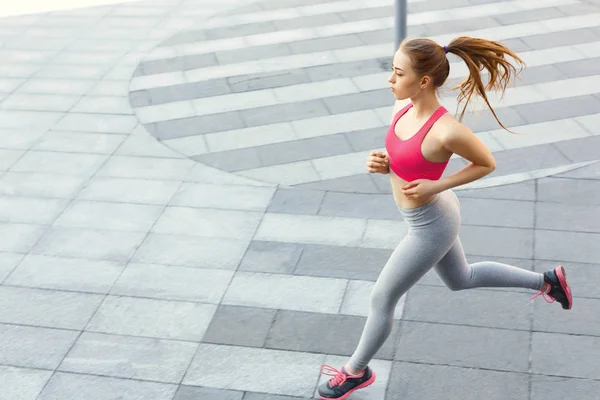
x,y
361,386
564,283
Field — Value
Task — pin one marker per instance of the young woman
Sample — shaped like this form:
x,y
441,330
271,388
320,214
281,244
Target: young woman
x,y
419,143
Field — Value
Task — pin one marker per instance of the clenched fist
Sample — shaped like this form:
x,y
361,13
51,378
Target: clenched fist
x,y
378,162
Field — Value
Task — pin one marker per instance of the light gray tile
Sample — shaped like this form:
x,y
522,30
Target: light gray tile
x,y
253,53
362,183
200,125
551,110
145,145
8,158
578,361
103,105
271,257
284,112
555,388
582,319
61,71
75,242
251,198
496,241
18,139
271,371
19,238
152,318
296,201
59,163
108,87
102,123
559,190
194,393
8,262
298,293
39,102
517,191
129,357
40,185
127,190
228,224
34,347
173,283
22,383
65,274
30,210
224,327
146,167
568,246
572,217
79,142
65,386
57,86
191,251
267,80
359,205
30,120
529,15
105,215
48,308
507,213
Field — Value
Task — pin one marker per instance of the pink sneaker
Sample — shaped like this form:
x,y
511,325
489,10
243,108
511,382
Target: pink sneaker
x,y
343,384
558,288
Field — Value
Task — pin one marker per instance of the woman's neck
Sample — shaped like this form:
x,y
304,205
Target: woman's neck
x,y
424,105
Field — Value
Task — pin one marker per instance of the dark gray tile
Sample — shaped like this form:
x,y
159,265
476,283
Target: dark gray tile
x,y
358,101
200,393
301,150
463,346
571,217
253,53
347,69
455,165
563,38
425,382
494,309
506,213
284,112
516,191
583,278
582,319
185,37
484,120
366,139
497,242
579,68
561,190
296,201
196,125
541,74
342,262
382,183
578,355
527,159
239,326
376,37
187,91
234,31
301,331
139,98
271,257
554,388
351,184
591,171
579,150
368,13
308,21
529,15
268,80
516,45
568,246
177,64
461,25
325,43
232,160
266,396
358,205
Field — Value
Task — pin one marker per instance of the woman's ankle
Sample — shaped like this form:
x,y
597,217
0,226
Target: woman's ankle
x,y
351,370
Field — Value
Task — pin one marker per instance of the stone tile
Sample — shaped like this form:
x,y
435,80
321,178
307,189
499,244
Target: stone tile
x,y
303,332
193,393
529,15
19,238
308,21
339,166
542,74
270,371
199,125
497,241
165,112
284,112
576,362
102,123
296,201
356,205
582,277
146,168
74,242
56,86
301,150
582,319
29,120
79,142
225,326
422,381
463,346
284,174
172,283
353,184
103,105
62,71
22,383
579,68
267,80
46,308
129,357
366,139
563,38
559,190
8,262
311,229
253,53
590,123
65,274
342,262
484,120
128,190
357,300
266,396
326,43
568,246
519,191
357,101
369,13
180,92
227,224
507,213
71,386
575,217
9,158
336,124
181,63
59,163
18,139
579,150
41,102
345,69
223,197
107,215
30,210
34,347
555,388
163,319
496,309
191,251
271,257
298,293
558,109
204,174
456,26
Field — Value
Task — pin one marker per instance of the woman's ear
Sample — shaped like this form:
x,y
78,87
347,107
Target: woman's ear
x,y
425,81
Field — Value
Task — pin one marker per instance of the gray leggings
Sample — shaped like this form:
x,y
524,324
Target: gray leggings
x,y
432,241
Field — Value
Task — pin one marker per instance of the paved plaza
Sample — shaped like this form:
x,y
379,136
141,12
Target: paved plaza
x,y
185,212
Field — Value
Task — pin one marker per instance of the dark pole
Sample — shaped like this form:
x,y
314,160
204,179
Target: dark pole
x,y
400,21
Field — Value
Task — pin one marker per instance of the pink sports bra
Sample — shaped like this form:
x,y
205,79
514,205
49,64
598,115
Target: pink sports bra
x,y
406,159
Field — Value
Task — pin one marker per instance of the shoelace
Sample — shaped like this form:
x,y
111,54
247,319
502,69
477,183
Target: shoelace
x,y
338,376
545,293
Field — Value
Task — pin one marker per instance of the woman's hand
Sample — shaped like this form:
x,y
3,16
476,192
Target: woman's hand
x,y
378,162
420,189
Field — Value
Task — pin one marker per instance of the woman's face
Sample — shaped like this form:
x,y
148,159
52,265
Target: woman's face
x,y
404,81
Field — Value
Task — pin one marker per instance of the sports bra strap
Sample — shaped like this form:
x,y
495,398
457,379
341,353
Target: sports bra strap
x,y
434,117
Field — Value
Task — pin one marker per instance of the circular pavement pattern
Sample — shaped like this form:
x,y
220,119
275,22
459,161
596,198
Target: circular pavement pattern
x,y
295,92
